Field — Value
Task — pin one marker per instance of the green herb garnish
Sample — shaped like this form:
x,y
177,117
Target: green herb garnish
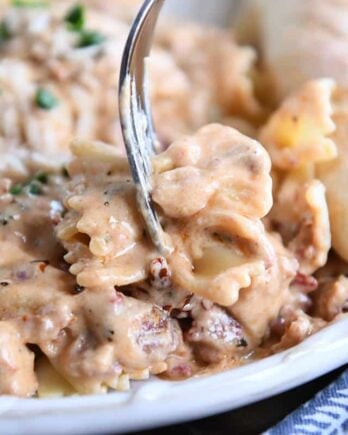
x,y
16,189
33,185
35,188
42,177
65,172
75,18
30,3
5,33
45,99
89,38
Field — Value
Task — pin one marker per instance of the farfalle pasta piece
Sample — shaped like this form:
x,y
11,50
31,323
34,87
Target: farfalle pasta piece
x,y
334,175
261,302
51,383
298,133
103,231
117,252
219,254
219,166
301,216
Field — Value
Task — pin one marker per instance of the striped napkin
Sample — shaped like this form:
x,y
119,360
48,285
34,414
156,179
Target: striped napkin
x,y
326,413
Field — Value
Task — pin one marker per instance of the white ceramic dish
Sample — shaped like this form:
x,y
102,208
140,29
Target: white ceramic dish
x,y
155,402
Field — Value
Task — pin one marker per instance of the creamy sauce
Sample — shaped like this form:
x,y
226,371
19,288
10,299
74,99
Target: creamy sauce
x,y
222,253
84,294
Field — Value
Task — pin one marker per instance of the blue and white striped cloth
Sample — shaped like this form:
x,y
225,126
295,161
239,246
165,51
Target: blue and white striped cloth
x,y
326,413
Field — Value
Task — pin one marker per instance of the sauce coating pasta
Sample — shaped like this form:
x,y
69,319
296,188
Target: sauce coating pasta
x,y
245,192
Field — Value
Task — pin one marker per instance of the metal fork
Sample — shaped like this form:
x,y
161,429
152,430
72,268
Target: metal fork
x,y
135,115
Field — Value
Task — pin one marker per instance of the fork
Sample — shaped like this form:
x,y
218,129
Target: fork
x,y
135,116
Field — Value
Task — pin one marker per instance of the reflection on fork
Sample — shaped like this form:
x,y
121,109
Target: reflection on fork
x,y
135,115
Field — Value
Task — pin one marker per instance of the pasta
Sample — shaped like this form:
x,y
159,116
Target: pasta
x,y
298,133
44,54
302,218
247,186
333,175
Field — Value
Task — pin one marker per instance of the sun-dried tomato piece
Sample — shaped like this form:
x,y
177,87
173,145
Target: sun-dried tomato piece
x,y
306,282
161,276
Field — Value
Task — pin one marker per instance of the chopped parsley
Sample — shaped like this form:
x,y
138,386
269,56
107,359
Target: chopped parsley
x,y
5,33
89,38
33,186
75,18
65,172
16,189
45,99
42,177
30,3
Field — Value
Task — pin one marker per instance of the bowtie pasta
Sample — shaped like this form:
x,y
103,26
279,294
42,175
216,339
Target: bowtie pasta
x,y
249,188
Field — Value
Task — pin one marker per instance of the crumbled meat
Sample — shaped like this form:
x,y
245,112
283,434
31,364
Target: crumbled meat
x,y
331,299
215,334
